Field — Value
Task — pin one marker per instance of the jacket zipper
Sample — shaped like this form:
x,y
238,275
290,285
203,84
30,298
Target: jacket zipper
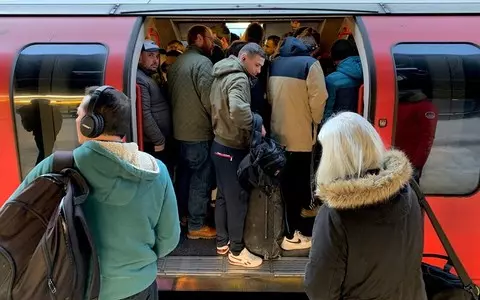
x,y
50,283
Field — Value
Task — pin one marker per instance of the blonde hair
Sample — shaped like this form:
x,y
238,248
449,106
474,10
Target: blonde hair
x,y
350,147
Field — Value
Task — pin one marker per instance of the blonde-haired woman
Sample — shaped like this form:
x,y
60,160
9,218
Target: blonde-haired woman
x,y
368,236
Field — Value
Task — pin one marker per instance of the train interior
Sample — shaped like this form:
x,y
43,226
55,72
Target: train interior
x,y
199,256
163,31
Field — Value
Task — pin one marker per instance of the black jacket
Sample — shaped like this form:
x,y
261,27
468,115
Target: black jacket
x,y
258,92
157,119
265,161
367,240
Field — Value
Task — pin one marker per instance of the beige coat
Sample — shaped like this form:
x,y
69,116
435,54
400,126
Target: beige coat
x,y
297,93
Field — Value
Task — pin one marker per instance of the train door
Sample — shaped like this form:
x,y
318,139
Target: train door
x,y
427,92
50,63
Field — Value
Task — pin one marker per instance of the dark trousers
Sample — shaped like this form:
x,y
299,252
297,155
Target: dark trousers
x,y
194,181
167,156
232,203
150,293
296,188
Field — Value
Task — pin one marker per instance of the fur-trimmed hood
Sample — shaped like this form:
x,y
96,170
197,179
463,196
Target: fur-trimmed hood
x,y
370,189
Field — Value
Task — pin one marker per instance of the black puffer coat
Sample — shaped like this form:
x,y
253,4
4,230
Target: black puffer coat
x,y
368,237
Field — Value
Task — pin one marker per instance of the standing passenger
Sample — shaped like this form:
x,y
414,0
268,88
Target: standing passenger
x,y
343,84
254,34
271,44
157,120
222,32
131,208
232,121
189,80
368,235
297,93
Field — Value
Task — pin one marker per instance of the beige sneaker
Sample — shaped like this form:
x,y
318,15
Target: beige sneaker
x,y
244,259
298,242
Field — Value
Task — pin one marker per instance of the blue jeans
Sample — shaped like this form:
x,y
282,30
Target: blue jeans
x,y
195,181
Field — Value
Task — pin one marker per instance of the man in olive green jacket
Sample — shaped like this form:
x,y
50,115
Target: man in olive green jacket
x,y
232,120
189,80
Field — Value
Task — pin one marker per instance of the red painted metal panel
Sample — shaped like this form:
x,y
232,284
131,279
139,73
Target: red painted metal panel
x,y
458,215
18,32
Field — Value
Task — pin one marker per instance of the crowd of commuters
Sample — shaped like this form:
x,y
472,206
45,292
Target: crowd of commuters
x,y
199,106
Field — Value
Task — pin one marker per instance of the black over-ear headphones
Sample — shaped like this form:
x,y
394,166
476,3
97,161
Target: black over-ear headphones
x,y
92,124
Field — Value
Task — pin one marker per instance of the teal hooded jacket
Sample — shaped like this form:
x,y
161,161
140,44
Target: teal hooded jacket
x,y
131,212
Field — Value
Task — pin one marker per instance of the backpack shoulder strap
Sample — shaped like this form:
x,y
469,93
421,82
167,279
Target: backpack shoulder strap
x,y
62,160
459,268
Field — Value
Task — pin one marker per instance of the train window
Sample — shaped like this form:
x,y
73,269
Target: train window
x,y
48,84
438,114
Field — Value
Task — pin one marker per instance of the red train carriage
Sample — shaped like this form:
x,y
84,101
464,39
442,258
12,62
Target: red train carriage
x,y
50,52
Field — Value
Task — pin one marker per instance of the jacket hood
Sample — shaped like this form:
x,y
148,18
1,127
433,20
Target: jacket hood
x,y
227,66
352,67
114,170
293,47
371,189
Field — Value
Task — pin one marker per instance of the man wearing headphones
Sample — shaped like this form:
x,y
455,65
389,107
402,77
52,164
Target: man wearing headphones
x,y
131,209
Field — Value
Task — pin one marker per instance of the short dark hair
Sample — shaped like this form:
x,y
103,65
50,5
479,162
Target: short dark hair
x,y
115,108
221,31
252,49
234,37
254,33
342,49
194,31
235,48
274,38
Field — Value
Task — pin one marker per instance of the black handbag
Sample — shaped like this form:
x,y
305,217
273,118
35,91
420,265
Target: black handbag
x,y
441,284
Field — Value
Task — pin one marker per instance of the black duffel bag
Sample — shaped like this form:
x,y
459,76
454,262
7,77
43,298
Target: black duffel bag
x,y
441,284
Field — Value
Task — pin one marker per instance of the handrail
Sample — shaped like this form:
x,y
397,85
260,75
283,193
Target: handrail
x,y
139,112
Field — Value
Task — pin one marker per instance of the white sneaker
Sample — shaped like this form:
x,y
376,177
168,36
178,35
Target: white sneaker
x,y
299,242
245,259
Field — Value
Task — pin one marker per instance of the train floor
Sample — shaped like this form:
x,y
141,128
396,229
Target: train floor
x,y
187,247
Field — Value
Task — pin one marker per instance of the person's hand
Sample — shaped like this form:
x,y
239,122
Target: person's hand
x,y
264,132
159,148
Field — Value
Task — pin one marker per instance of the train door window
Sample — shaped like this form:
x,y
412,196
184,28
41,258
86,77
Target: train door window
x,y
438,114
48,84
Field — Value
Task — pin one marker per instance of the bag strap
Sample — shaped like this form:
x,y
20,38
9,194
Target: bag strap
x,y
459,268
62,160
94,285
65,160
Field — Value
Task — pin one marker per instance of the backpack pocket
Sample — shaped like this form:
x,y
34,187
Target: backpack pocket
x,y
7,274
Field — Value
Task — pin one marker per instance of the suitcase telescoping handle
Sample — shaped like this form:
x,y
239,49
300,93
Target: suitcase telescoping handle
x,y
459,268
